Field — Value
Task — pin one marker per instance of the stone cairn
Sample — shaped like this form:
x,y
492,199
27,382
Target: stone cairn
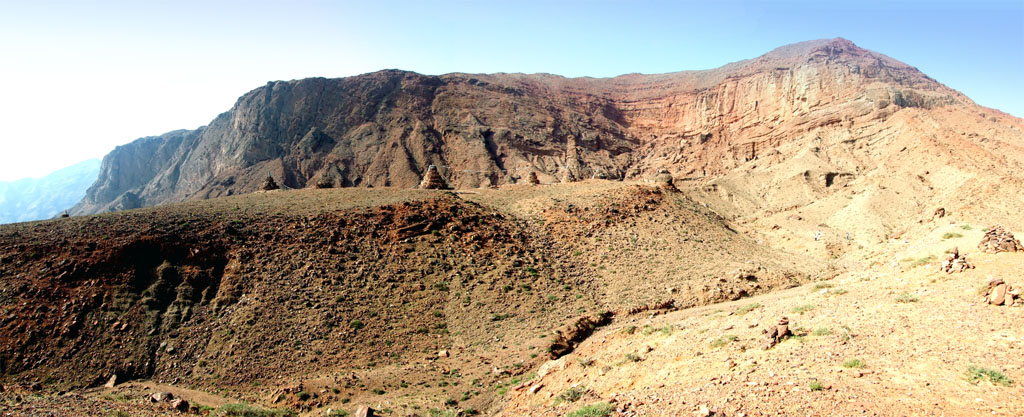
x,y
325,183
998,239
532,178
269,184
664,180
778,333
433,180
1001,293
955,262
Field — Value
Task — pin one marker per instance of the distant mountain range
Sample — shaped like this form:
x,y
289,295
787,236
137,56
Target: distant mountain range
x,y
43,198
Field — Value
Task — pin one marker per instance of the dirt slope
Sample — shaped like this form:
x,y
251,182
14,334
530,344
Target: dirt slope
x,y
310,299
895,340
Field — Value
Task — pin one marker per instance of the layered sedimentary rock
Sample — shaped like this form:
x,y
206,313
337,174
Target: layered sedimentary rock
x,y
386,128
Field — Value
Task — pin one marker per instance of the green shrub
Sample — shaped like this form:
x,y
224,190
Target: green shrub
x,y
924,261
747,308
724,340
976,374
816,385
593,410
571,395
822,331
951,236
906,298
356,324
665,330
801,309
853,363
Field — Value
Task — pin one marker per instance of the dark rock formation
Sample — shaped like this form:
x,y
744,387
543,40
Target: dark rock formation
x,y
269,184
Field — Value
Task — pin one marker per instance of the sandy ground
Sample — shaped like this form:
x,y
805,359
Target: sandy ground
x,y
915,331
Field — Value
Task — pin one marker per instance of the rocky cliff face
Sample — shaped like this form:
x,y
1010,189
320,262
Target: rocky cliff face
x,y
386,128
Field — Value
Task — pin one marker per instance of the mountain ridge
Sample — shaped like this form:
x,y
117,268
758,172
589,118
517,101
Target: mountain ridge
x,y
47,196
384,128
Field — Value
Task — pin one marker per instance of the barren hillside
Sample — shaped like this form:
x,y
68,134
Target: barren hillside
x,y
351,293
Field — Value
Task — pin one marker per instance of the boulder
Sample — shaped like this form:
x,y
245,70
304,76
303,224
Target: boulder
x,y
111,382
364,411
159,397
180,405
1001,293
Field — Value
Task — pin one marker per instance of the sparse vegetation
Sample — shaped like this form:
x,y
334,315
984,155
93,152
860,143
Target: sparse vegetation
x,y
906,298
801,309
724,340
822,331
816,385
664,330
593,410
571,395
854,363
977,374
951,236
110,396
922,261
748,308
246,410
965,226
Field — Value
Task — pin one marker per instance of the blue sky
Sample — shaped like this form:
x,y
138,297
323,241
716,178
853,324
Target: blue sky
x,y
82,77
